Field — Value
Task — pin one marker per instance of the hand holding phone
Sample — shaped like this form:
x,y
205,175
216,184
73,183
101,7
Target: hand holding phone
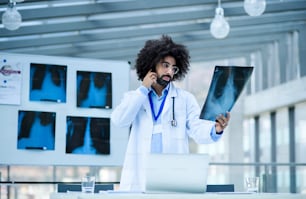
x,y
149,79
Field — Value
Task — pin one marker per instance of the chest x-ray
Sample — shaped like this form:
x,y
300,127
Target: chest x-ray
x,y
88,135
48,82
36,130
94,89
226,85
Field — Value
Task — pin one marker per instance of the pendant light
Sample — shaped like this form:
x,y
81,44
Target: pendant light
x,y
254,7
11,18
219,27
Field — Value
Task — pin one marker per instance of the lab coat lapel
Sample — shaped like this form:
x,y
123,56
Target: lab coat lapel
x,y
147,108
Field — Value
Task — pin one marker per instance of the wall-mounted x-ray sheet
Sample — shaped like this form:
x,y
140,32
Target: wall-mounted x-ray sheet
x,y
225,87
94,89
36,130
48,82
88,135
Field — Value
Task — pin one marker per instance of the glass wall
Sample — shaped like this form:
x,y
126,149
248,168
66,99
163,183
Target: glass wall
x,y
300,144
264,138
37,182
282,149
281,177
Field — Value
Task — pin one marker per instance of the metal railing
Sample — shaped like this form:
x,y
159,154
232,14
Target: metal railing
x,y
233,173
269,172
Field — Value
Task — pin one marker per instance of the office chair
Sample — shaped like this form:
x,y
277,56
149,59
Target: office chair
x,y
64,187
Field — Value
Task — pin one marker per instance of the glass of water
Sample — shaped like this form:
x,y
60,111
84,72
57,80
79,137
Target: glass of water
x,y
88,184
252,184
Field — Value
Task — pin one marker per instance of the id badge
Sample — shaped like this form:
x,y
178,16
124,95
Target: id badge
x,y
157,128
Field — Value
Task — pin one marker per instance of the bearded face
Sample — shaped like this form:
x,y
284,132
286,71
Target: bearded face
x,y
164,80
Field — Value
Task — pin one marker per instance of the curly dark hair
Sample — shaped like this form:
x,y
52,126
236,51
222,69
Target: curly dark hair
x,y
156,50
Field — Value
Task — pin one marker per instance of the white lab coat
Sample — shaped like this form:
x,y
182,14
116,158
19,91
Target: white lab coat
x,y
135,110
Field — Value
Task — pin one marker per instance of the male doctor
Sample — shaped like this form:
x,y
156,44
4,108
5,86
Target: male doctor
x,y
162,117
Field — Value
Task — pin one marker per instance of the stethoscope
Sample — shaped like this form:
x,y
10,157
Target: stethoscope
x,y
173,121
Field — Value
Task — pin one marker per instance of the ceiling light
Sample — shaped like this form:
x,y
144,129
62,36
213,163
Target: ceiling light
x,y
254,7
11,18
219,27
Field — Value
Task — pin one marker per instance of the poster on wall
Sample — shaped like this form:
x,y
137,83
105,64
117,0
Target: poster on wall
x,y
36,130
88,135
94,89
10,82
48,82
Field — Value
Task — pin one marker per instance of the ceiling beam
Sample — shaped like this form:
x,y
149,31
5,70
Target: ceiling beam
x,y
110,41
162,18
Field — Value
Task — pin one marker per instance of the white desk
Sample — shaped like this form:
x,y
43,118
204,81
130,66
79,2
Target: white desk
x,y
177,196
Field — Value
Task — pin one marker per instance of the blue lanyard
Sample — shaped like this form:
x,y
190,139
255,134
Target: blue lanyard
x,y
160,108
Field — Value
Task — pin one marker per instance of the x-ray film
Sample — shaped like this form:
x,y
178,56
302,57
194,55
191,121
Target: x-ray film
x,y
225,87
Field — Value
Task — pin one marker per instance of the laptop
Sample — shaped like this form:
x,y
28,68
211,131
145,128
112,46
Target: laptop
x,y
171,173
226,85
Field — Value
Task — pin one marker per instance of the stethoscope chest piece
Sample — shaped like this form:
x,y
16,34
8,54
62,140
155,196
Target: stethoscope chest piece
x,y
173,123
